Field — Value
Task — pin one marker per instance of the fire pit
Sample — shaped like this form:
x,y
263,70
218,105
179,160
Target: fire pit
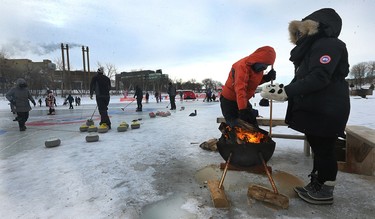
x,y
244,144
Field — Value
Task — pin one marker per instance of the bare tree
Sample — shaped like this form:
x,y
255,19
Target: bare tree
x,y
208,83
358,72
59,63
370,70
109,69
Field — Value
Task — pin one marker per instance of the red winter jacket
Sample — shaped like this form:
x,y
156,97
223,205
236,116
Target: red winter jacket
x,y
242,80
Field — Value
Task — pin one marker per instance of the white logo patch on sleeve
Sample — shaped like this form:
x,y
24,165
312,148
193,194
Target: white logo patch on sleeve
x,y
325,59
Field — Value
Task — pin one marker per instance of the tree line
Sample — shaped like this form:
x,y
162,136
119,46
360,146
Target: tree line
x,y
41,79
362,74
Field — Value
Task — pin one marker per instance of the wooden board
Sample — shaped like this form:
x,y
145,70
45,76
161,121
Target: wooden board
x,y
266,195
218,196
360,153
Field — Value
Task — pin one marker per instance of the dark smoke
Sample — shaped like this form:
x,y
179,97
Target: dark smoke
x,y
22,47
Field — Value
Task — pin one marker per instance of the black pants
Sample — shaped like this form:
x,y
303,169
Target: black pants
x,y
103,102
139,103
230,111
325,161
172,100
22,117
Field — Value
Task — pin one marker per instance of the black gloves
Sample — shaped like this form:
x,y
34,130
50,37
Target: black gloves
x,y
247,116
271,75
258,67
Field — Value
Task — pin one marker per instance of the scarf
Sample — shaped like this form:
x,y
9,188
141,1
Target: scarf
x,y
303,45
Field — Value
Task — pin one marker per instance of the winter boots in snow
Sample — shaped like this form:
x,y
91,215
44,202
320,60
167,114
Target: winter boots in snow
x,y
309,187
315,192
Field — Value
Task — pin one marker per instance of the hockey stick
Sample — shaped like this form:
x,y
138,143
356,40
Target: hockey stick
x,y
123,108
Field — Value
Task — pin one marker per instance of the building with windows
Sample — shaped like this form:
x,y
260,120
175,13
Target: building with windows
x,y
148,80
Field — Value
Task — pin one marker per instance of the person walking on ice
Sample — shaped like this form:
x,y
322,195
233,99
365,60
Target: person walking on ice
x,y
20,96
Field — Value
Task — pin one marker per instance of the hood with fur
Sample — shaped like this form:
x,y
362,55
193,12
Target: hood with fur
x,y
21,82
325,20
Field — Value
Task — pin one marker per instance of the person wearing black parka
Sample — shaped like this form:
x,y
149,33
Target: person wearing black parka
x,y
318,96
101,85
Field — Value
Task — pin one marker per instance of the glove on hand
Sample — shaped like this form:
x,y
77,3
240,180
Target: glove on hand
x,y
274,92
247,116
271,75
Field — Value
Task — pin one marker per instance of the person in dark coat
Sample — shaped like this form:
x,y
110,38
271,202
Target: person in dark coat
x,y
172,95
20,96
139,95
101,85
318,96
70,100
147,97
157,96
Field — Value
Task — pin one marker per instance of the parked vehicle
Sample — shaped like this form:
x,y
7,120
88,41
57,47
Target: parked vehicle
x,y
187,94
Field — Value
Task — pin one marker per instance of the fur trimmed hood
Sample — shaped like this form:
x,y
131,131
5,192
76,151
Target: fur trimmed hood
x,y
21,82
325,20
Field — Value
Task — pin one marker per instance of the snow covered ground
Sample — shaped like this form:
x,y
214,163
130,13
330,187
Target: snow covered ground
x,y
158,171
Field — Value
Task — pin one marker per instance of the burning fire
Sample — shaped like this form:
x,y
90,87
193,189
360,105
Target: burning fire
x,y
250,137
243,135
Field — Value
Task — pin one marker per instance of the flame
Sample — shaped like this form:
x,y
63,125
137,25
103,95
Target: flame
x,y
251,137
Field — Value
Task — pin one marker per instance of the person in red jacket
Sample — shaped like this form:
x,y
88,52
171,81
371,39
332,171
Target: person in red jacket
x,y
244,77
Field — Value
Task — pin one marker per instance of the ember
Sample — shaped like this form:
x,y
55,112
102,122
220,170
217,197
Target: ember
x,y
248,137
242,135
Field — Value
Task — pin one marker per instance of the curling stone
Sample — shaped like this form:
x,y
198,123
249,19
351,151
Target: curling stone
x,y
152,115
89,122
123,127
83,128
135,125
53,142
92,138
103,128
92,128
167,113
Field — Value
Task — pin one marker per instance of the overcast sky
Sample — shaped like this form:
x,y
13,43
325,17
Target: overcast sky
x,y
186,39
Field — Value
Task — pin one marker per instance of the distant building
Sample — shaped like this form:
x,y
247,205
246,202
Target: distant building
x,y
37,74
148,80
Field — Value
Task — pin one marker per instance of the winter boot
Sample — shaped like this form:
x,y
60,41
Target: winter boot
x,y
22,128
322,196
309,187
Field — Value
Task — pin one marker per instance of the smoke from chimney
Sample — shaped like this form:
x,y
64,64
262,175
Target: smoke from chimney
x,y
17,47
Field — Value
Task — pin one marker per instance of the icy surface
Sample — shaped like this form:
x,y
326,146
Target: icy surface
x,y
151,172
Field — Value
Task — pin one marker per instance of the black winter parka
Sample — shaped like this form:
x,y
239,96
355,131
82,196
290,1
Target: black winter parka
x,y
318,96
